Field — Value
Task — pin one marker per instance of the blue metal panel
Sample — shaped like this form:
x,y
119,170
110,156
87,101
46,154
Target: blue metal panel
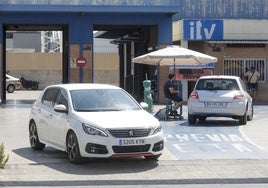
x,y
222,9
138,6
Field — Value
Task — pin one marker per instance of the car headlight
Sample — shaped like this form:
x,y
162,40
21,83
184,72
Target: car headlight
x,y
93,130
157,129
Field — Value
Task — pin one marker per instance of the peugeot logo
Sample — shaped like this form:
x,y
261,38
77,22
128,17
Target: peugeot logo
x,y
131,133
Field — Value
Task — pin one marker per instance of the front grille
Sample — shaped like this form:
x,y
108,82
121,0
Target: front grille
x,y
131,149
125,133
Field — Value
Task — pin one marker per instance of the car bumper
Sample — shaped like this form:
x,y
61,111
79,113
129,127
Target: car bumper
x,y
231,109
109,147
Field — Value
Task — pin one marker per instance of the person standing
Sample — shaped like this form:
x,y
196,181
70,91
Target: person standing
x,y
171,93
253,77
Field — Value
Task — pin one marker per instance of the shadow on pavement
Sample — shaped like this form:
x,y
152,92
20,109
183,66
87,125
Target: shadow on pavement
x,y
58,160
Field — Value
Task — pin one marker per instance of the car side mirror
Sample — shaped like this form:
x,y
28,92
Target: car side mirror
x,y
60,108
144,105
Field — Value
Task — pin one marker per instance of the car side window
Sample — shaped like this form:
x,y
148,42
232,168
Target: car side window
x,y
62,98
49,97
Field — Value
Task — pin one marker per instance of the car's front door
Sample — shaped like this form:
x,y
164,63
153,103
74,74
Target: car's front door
x,y
59,122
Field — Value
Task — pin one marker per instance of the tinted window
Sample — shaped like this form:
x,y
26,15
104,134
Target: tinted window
x,y
50,96
217,84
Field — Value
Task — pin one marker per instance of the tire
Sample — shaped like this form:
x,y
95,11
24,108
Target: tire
x,y
72,148
34,87
152,158
250,117
202,118
191,119
243,119
33,136
10,88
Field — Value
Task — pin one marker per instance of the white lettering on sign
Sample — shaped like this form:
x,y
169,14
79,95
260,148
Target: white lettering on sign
x,y
192,142
81,61
182,148
241,148
196,30
205,137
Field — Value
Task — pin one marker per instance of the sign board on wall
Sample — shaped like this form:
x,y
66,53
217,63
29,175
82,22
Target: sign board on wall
x,y
203,29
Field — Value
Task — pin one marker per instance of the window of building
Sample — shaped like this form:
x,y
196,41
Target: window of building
x,y
237,67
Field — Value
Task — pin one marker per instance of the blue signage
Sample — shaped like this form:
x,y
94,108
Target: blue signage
x,y
203,29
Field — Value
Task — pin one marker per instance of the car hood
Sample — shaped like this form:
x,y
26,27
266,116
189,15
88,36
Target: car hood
x,y
117,119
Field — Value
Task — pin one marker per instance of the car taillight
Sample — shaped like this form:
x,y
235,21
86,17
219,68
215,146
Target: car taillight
x,y
194,95
239,95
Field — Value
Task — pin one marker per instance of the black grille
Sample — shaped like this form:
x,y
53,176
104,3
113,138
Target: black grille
x,y
126,133
131,149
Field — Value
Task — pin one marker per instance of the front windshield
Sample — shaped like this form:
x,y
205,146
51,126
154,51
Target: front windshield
x,y
102,100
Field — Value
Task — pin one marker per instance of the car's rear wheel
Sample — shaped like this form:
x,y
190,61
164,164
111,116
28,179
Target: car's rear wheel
x,y
243,119
152,157
202,118
33,135
191,119
10,88
250,117
73,149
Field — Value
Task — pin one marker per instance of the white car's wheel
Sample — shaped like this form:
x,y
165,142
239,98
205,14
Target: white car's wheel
x,y
33,136
73,149
10,88
250,117
243,119
191,119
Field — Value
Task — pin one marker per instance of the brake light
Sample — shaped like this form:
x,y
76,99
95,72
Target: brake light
x,y
239,95
194,95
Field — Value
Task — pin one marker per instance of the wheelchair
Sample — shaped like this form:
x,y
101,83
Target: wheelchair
x,y
171,113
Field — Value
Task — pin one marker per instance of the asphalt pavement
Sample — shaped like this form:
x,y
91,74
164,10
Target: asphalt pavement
x,y
51,168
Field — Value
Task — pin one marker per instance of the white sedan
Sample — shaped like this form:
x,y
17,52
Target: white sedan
x,y
12,83
220,96
94,120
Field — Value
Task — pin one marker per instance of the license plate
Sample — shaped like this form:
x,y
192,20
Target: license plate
x,y
215,104
131,142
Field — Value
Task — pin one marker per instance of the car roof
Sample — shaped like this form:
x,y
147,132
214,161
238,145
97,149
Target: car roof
x,y
78,86
219,76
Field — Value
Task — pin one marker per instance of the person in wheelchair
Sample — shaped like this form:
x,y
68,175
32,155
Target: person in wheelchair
x,y
171,93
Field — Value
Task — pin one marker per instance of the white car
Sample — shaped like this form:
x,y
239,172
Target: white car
x,y
220,96
12,83
94,120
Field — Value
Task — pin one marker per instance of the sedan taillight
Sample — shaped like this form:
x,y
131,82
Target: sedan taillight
x,y
194,95
239,95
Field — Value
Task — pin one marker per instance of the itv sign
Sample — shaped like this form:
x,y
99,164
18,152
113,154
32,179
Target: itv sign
x,y
203,29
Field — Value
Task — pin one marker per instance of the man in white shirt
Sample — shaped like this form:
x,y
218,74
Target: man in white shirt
x,y
253,77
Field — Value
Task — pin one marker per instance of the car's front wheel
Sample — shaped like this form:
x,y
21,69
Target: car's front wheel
x,y
33,136
191,119
73,149
10,88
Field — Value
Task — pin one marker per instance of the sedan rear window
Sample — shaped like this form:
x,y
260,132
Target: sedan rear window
x,y
217,84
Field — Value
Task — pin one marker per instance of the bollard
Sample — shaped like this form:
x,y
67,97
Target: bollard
x,y
148,94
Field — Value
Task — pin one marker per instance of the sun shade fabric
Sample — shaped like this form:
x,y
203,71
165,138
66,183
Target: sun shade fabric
x,y
174,55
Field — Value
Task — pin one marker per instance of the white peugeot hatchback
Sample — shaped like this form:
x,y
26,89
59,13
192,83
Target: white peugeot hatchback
x,y
220,96
94,120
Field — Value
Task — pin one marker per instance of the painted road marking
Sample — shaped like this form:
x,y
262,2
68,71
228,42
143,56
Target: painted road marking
x,y
211,140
